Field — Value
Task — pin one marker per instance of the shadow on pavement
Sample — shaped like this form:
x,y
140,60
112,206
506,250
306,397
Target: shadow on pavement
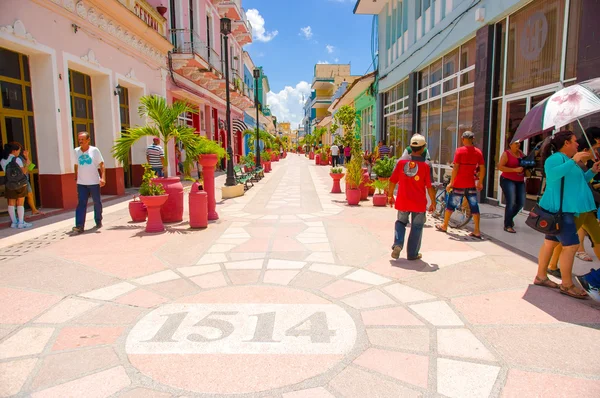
x,y
562,307
414,265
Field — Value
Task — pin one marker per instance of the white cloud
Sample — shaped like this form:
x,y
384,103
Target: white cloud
x,y
336,60
258,26
288,104
322,62
330,48
306,32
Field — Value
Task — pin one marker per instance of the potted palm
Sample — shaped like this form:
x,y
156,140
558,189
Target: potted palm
x,y
208,153
353,180
379,198
337,173
265,157
162,122
154,197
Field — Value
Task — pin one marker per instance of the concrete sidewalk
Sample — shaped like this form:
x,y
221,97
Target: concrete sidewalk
x,y
291,293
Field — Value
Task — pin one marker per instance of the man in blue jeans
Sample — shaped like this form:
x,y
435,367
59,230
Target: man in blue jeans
x,y
88,160
413,174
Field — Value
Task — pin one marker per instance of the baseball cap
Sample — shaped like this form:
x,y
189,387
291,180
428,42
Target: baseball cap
x,y
468,134
417,140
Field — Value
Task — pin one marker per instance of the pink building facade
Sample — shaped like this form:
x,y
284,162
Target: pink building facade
x,y
83,65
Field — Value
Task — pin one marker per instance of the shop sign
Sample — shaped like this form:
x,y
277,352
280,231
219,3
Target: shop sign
x,y
534,36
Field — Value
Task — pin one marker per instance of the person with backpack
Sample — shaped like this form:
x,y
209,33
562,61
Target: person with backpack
x,y
15,182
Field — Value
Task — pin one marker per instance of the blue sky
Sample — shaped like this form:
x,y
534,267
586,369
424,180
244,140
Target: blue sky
x,y
291,36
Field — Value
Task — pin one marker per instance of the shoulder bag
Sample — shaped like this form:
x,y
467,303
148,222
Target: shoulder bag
x,y
544,221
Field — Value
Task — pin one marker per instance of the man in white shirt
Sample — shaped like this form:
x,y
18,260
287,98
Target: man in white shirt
x,y
335,155
88,160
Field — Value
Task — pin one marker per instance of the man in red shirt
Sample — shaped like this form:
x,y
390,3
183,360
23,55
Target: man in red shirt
x,y
467,160
413,176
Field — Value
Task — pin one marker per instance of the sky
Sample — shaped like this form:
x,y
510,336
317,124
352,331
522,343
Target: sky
x,y
291,36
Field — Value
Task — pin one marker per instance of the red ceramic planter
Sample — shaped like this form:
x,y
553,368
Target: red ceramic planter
x,y
153,204
311,155
208,163
353,196
317,159
336,182
137,211
380,199
172,211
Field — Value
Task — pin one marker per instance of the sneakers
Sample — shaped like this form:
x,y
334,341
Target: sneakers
x,y
396,252
77,230
24,225
13,225
592,291
99,225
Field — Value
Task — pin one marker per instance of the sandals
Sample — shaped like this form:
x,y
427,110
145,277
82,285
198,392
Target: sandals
x,y
510,230
472,235
545,283
583,256
573,291
439,228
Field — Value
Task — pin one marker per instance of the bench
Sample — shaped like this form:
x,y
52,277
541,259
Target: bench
x,y
256,173
242,178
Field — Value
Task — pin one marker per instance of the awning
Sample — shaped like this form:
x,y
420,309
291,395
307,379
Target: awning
x,y
239,125
353,90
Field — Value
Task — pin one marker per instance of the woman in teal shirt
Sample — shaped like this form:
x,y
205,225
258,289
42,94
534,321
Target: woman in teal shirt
x,y
560,157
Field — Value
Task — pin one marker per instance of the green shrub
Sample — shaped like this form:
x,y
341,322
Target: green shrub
x,y
384,167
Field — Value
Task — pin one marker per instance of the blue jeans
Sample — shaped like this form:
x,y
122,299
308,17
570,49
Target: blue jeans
x,y
416,232
514,192
158,171
83,193
455,198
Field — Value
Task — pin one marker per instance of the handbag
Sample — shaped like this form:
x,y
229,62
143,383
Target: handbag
x,y
544,221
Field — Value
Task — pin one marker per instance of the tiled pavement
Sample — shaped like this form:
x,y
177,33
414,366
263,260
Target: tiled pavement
x,y
290,294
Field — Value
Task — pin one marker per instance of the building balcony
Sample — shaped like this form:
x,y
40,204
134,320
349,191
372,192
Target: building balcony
x,y
190,51
320,102
231,9
149,15
242,30
322,83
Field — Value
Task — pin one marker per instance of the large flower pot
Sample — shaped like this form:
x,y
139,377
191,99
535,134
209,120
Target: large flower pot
x,y
364,187
137,211
349,187
172,211
208,163
311,155
336,182
273,157
353,196
318,159
386,190
324,161
153,204
379,199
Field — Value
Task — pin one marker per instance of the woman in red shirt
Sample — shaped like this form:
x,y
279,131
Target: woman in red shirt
x,y
512,182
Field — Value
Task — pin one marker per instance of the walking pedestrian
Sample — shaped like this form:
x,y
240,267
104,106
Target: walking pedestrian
x,y
155,156
413,176
341,154
467,159
348,153
335,155
89,160
15,184
512,181
384,150
30,198
567,190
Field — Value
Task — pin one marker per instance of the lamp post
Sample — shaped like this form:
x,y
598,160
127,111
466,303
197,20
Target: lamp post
x,y
225,31
256,73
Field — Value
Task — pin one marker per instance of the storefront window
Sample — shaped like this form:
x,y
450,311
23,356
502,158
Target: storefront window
x,y
534,45
423,120
573,39
499,42
433,130
465,116
449,137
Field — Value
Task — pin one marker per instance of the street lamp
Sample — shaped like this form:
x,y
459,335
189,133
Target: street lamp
x,y
225,31
256,73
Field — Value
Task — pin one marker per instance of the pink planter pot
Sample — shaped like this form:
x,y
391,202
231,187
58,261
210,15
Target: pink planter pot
x,y
208,163
353,196
380,199
311,155
317,159
336,182
153,204
137,211
172,211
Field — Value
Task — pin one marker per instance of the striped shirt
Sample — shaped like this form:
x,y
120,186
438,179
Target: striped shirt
x,y
384,151
155,155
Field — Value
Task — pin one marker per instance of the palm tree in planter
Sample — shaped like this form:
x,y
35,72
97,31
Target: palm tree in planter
x,y
353,180
162,122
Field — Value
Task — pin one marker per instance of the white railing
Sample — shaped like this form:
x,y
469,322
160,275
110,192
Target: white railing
x,y
186,41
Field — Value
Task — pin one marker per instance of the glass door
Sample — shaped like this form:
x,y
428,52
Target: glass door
x,y
514,111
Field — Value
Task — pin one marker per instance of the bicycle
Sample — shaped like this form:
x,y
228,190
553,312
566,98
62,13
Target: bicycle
x,y
461,216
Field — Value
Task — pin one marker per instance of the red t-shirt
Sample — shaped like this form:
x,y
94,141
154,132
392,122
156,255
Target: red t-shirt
x,y
412,177
469,158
